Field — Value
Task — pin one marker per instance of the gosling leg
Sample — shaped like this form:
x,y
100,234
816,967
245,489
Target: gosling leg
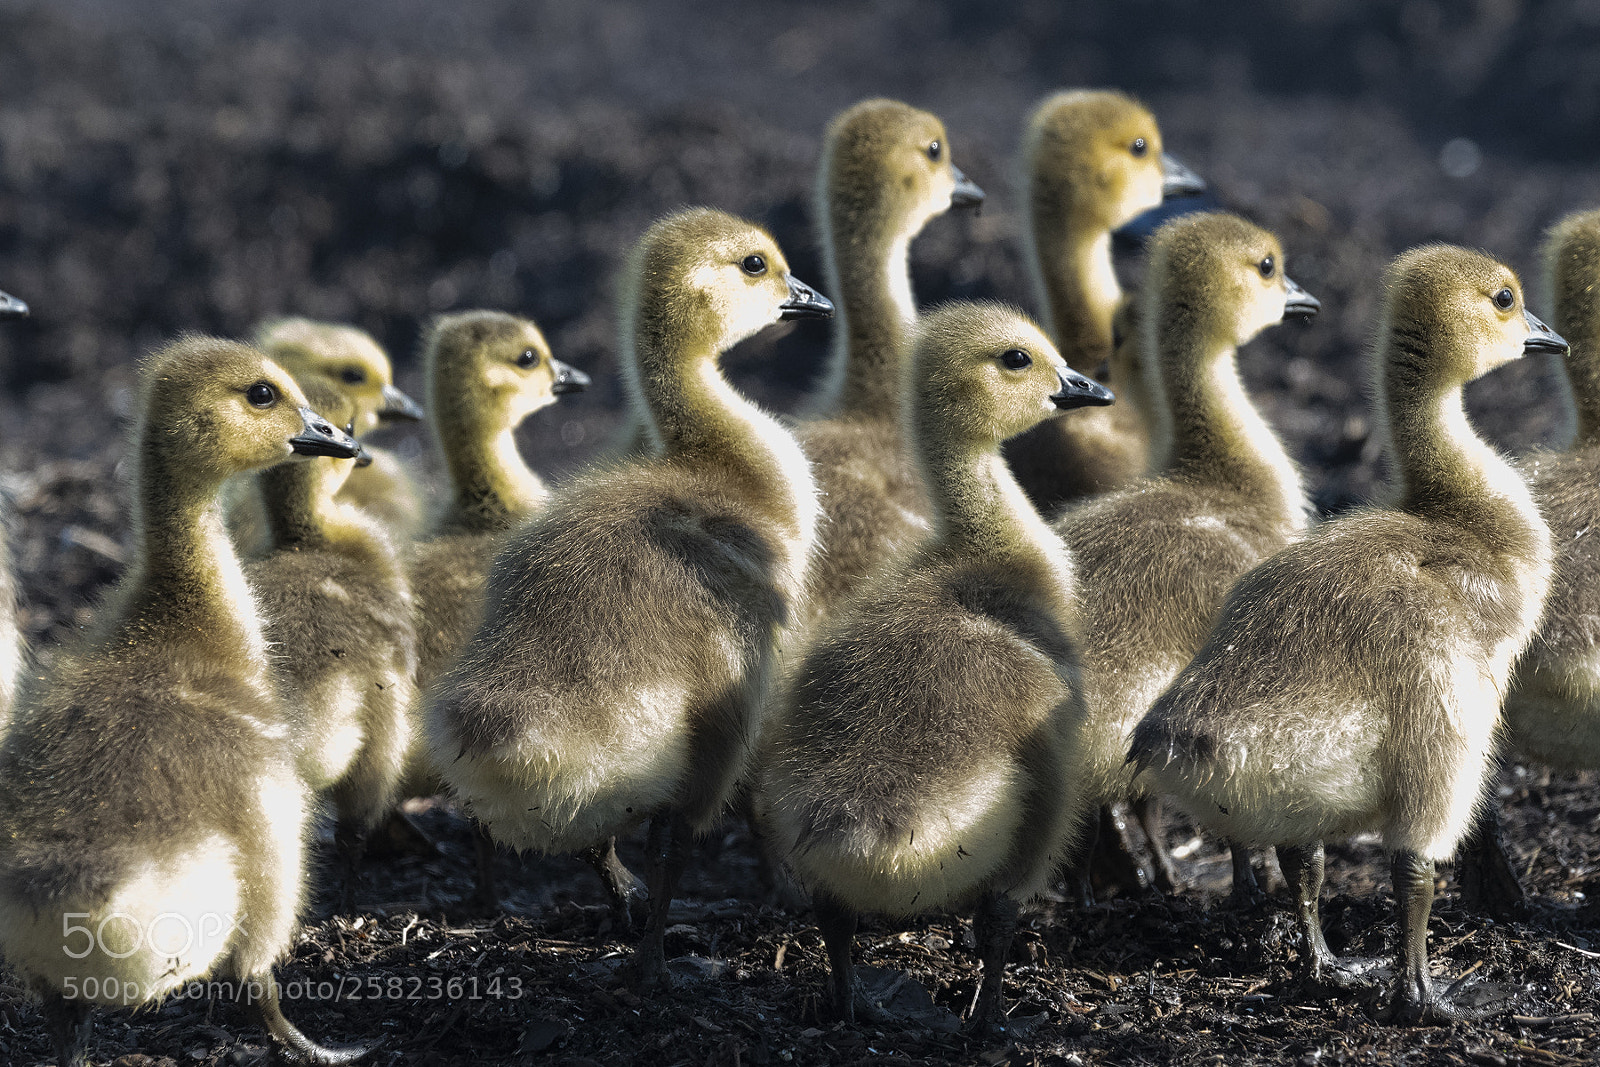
x,y
1488,881
69,1023
1415,999
1076,872
1247,890
484,850
295,1046
1303,872
838,921
624,888
668,844
994,927
1164,876
350,841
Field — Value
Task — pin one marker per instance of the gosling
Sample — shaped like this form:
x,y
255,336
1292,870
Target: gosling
x,y
1552,712
886,172
338,620
1156,558
630,628
148,791
1353,681
926,754
1091,161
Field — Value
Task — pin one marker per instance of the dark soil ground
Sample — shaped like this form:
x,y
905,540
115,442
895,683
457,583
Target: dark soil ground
x,y
192,165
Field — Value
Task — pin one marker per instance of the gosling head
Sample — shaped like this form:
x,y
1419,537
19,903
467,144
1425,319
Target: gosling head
x,y
702,281
1222,278
345,356
492,370
11,307
1096,156
888,166
219,408
1451,315
982,373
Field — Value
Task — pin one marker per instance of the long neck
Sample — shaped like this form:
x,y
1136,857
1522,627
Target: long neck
x,y
303,511
1580,373
185,582
1443,469
492,487
868,267
979,506
702,421
1077,287
1215,433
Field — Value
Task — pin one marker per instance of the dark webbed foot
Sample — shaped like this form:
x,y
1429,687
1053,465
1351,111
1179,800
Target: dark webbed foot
x,y
294,1046
1416,1002
1318,966
627,892
994,927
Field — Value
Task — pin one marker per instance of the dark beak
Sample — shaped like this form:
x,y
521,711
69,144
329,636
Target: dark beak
x,y
1079,392
966,193
1542,338
12,308
569,379
1299,304
1179,180
398,406
804,302
319,437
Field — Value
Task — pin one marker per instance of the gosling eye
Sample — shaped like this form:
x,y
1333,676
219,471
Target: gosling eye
x,y
1267,266
935,150
527,358
754,265
1505,299
353,375
1015,359
1139,147
261,395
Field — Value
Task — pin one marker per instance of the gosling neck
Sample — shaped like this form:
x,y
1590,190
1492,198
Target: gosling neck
x,y
1077,287
492,487
867,263
1213,432
1445,471
185,584
299,498
978,505
701,421
1580,375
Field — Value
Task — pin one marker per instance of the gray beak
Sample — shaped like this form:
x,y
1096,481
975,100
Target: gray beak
x,y
966,193
319,437
1299,304
12,308
398,406
1077,391
1541,338
804,302
1177,179
569,379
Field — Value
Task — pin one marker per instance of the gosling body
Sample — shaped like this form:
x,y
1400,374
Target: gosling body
x,y
150,775
924,754
630,627
1353,680
338,620
886,172
1157,557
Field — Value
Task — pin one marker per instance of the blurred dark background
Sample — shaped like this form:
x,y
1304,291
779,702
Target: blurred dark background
x,y
169,166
